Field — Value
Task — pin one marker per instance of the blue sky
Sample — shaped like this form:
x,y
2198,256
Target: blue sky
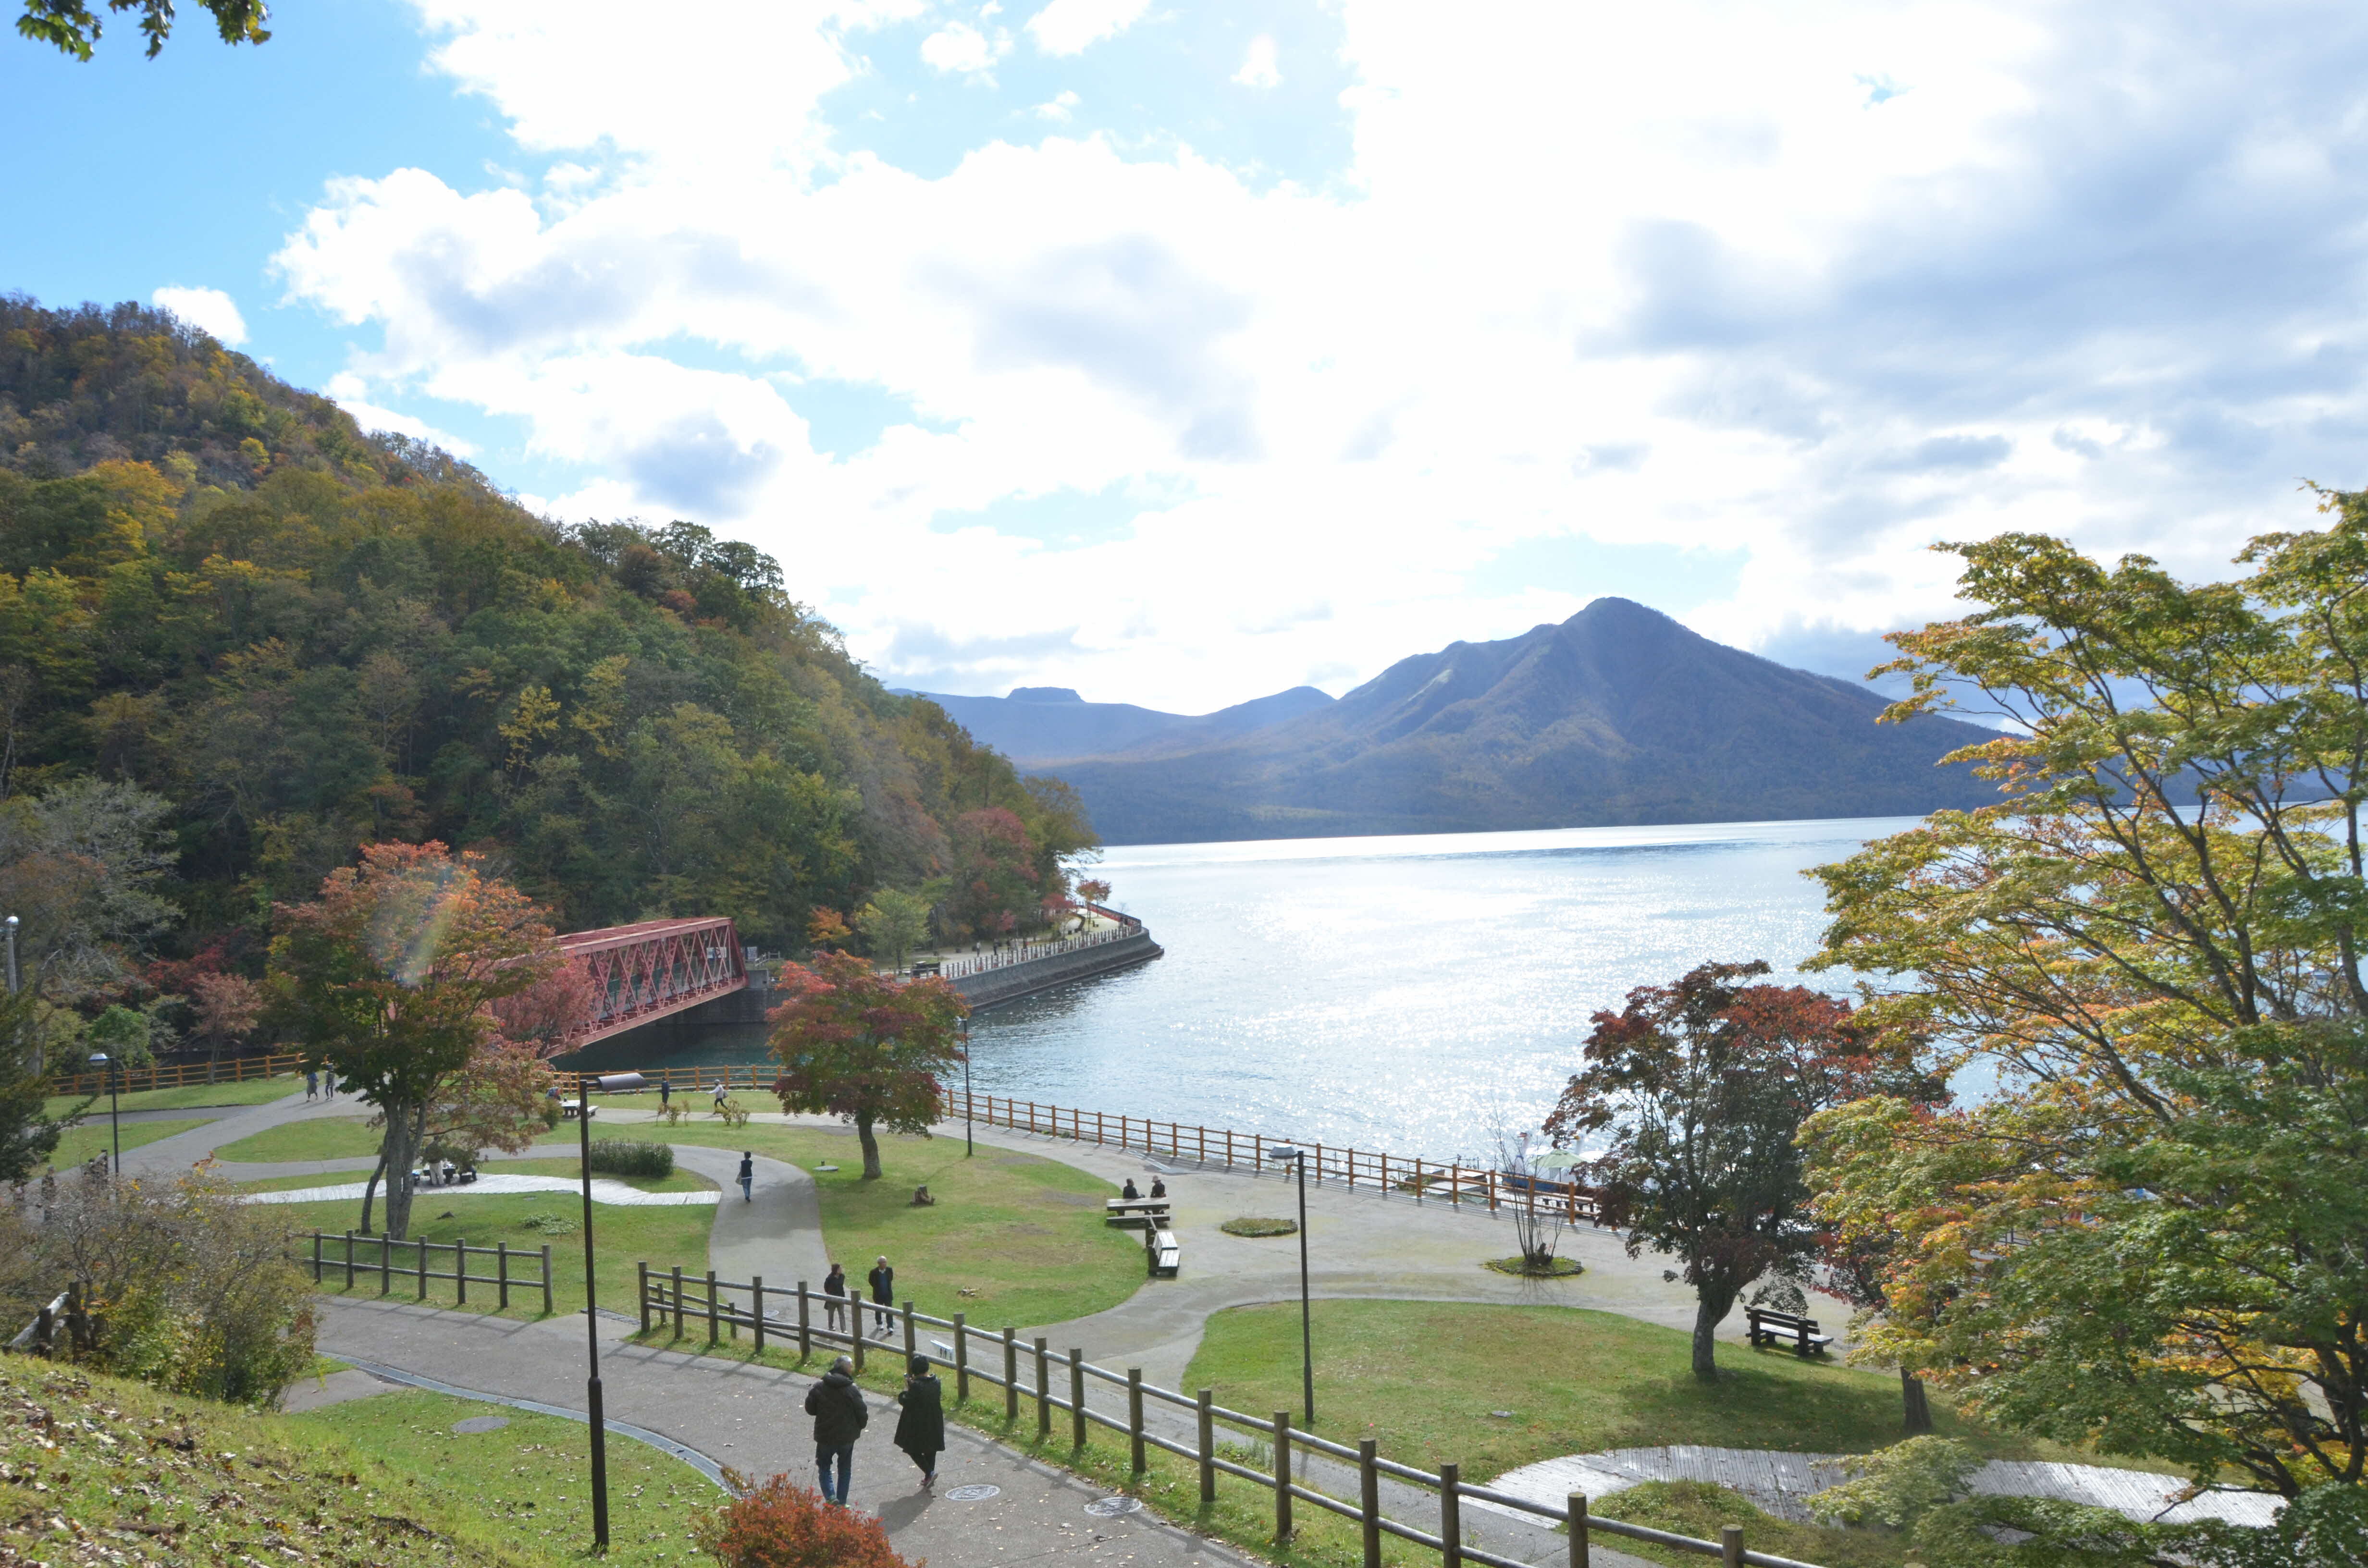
x,y
1184,354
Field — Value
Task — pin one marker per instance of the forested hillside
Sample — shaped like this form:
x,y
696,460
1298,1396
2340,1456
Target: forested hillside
x,y
299,638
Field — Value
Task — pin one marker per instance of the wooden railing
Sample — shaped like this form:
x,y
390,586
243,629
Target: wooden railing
x,y
669,1298
363,1256
178,1075
1422,1180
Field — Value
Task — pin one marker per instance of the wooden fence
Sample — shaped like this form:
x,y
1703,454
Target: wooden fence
x,y
1033,1374
361,1256
1422,1180
179,1074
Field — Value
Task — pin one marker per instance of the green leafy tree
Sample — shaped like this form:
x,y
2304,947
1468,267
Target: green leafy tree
x,y
2148,1239
866,1047
894,924
27,1132
391,979
74,28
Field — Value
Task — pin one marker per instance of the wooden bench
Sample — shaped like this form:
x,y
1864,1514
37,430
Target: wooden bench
x,y
1162,1252
1772,1327
1149,1212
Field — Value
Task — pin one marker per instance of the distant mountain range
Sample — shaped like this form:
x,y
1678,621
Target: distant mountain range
x,y
1619,715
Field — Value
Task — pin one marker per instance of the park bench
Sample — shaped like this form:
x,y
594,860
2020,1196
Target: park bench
x,y
1162,1252
1773,1327
1148,1212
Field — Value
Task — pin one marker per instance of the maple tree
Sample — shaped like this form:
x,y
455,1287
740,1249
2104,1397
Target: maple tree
x,y
865,1046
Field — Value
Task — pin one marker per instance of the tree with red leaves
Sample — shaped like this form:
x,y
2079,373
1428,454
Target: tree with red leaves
x,y
779,1524
1701,1088
865,1046
994,879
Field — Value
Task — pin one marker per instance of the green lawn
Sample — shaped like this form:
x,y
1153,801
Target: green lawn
x,y
1700,1510
1024,1234
523,1484
321,1138
1425,1378
76,1144
188,1097
622,1236
681,1181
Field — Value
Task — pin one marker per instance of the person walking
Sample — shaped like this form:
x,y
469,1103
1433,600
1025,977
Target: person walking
x,y
719,1096
834,1293
328,1084
747,1174
921,1428
666,1094
839,1416
883,1295
311,1087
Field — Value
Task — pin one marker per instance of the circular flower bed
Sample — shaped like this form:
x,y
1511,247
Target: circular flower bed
x,y
1257,1227
1559,1268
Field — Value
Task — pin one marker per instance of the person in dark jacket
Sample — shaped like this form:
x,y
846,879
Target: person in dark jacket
x,y
840,1415
834,1297
1158,1188
921,1429
884,1296
1128,1191
748,1173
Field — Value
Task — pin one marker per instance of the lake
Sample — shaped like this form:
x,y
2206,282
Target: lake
x,y
1419,994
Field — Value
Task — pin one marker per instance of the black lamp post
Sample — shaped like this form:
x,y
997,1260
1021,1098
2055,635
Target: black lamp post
x,y
114,1113
1306,1316
585,1085
967,1149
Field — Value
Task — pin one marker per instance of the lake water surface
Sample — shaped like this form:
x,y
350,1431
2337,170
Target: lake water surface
x,y
1416,994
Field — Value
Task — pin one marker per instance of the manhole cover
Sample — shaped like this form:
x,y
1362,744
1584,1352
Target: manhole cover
x,y
482,1424
978,1493
1108,1508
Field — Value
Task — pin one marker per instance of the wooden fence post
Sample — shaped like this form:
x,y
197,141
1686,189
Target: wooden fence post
x,y
805,1327
1730,1546
909,1334
642,1288
1011,1374
316,1257
962,1360
1451,1515
1208,1451
678,1301
460,1270
757,1308
1044,1391
349,1260
711,1306
546,1279
385,1263
854,1322
423,1269
502,1273
1579,1530
1282,1475
1369,1500
1135,1460
1076,1398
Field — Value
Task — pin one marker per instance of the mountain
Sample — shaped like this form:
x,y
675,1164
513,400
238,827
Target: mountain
x,y
1618,715
1039,724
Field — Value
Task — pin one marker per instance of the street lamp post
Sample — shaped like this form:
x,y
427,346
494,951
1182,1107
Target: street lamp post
x,y
114,1114
585,1085
1306,1316
967,1150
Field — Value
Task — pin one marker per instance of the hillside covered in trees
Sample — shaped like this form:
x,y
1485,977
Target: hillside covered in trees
x,y
240,638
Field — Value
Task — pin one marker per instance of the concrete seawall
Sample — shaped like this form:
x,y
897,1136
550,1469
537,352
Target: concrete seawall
x,y
985,990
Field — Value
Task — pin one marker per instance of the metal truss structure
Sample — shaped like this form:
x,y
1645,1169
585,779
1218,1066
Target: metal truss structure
x,y
647,971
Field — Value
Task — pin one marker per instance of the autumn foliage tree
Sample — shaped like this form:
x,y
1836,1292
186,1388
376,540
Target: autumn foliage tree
x,y
391,978
1697,1091
866,1047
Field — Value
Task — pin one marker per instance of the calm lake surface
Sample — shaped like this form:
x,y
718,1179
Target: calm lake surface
x,y
1414,995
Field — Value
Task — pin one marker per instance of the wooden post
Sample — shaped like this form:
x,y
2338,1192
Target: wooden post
x,y
1417,1182
316,1257
805,1325
1044,1391
711,1306
461,1270
385,1263
1098,1129
1229,1148
423,1269
1451,1515
502,1273
1076,1398
349,1260
909,1334
1011,1374
1134,1420
1579,1530
1369,1500
642,1275
678,1301
1492,1192
1282,1475
756,1310
854,1322
962,1360
1455,1185
1730,1546
1208,1451
546,1279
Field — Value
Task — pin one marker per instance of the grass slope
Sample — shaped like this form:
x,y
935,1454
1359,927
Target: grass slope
x,y
320,1137
76,1144
188,1096
1022,1233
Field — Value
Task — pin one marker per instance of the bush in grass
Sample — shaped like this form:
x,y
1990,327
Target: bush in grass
x,y
1252,1225
779,1524
630,1158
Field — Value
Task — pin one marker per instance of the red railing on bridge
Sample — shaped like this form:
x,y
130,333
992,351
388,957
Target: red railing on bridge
x,y
647,971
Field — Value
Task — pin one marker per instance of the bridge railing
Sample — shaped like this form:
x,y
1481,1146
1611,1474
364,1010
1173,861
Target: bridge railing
x,y
963,964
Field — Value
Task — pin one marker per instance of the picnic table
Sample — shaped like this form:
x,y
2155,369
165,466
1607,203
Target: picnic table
x,y
1148,1212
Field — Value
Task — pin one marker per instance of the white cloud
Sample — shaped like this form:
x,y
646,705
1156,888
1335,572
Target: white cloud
x,y
1257,64
1071,27
208,310
2079,279
349,392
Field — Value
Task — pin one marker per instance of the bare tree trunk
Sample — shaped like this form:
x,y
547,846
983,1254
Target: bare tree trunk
x,y
1710,1309
369,1189
1919,1409
870,1146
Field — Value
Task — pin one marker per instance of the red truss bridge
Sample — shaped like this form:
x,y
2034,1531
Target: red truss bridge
x,y
647,971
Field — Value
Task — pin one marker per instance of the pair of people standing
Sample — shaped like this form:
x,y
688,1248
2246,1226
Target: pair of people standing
x,y
882,1281
840,1415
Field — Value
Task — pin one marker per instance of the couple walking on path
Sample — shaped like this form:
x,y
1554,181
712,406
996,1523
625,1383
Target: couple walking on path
x,y
841,1414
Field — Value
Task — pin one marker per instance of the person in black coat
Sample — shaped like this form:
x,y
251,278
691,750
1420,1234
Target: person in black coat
x,y
921,1429
1128,1191
839,1416
883,1295
834,1297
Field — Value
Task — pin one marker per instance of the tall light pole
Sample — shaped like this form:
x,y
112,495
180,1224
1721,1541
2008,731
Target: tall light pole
x,y
585,1085
114,1115
1307,1315
967,1149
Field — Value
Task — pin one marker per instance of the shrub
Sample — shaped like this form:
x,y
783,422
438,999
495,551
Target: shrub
x,y
630,1158
1254,1226
779,1524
